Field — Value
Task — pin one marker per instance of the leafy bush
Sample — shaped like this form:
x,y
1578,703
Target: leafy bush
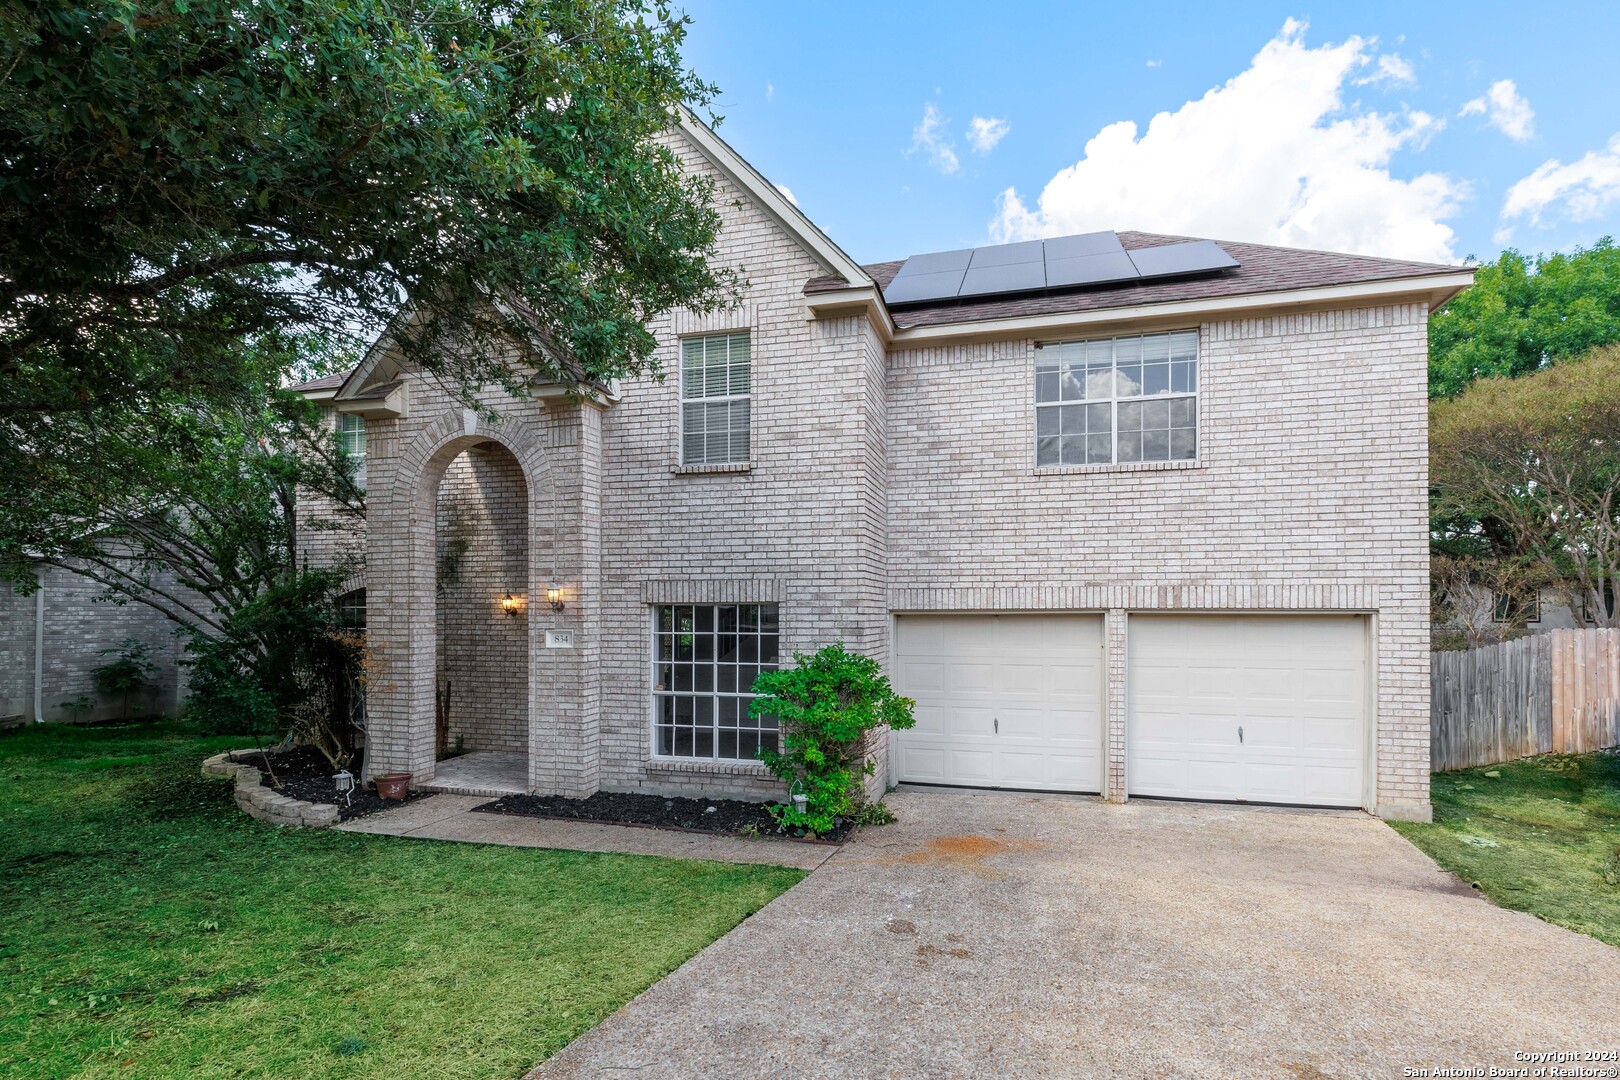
x,y
825,705
874,813
285,664
129,673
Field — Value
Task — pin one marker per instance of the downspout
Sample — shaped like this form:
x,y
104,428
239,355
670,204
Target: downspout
x,y
39,649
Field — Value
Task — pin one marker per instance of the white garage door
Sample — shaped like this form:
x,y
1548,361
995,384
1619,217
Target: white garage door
x,y
1004,701
1258,708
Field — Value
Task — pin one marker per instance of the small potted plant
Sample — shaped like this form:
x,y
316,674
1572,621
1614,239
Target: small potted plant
x,y
395,786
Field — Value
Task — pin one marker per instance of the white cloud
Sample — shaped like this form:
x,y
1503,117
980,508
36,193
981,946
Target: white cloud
x,y
770,91
929,136
1274,155
985,132
1393,69
1508,112
787,193
1153,63
1581,190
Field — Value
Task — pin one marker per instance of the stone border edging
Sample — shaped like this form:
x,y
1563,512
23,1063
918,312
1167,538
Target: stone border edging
x,y
260,802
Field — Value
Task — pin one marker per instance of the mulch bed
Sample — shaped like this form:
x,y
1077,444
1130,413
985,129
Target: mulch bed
x,y
303,773
725,817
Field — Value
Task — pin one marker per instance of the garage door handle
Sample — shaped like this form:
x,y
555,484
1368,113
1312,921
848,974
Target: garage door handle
x,y
997,722
1240,733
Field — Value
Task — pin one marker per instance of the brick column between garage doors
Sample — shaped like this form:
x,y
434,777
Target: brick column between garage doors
x,y
1114,628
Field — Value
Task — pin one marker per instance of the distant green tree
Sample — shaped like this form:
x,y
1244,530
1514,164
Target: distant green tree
x,y
1524,312
1525,483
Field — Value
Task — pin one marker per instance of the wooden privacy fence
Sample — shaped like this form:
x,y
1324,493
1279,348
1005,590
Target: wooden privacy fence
x,y
1553,693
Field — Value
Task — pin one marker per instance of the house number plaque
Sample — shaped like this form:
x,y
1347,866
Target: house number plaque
x,y
559,639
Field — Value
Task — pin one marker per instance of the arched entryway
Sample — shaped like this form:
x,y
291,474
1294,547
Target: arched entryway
x,y
505,500
481,589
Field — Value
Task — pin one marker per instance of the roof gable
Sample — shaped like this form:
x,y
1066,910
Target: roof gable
x,y
793,221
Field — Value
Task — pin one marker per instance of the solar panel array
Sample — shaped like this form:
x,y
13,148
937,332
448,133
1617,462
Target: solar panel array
x,y
1037,265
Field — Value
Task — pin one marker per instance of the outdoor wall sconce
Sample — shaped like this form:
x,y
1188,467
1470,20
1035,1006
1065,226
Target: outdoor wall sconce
x,y
512,605
554,597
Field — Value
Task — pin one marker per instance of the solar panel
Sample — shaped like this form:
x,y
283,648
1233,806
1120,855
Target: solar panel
x,y
1192,257
1004,278
1090,269
1029,251
937,276
1036,265
939,261
1075,247
907,288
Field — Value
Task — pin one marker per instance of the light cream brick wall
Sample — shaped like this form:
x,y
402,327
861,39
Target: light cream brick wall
x,y
902,481
1310,493
803,527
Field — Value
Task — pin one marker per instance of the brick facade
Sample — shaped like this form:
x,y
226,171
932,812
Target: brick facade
x,y
78,624
886,479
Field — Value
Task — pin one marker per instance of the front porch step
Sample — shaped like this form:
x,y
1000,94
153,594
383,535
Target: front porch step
x,y
481,772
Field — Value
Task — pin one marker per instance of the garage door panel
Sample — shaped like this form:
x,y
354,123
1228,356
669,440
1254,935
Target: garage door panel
x,y
966,677
1295,685
925,763
1040,676
1211,778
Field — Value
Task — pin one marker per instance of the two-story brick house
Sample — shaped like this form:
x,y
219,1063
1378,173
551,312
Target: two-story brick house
x,y
1157,534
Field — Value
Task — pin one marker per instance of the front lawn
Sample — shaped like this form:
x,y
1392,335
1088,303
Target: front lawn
x,y
1540,837
149,929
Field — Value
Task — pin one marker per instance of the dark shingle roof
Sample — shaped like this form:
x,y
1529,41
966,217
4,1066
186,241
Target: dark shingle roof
x,y
325,382
1262,269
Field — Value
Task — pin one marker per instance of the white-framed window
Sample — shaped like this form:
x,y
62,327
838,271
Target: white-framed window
x,y
351,431
705,660
1117,400
716,380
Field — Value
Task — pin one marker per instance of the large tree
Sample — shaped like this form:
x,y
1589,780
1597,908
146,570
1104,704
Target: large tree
x,y
193,189
1527,471
1523,313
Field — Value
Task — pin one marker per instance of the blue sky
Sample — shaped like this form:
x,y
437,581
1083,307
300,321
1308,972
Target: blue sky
x,y
1411,130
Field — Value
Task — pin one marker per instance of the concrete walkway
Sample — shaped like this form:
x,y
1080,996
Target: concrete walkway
x,y
450,817
1015,936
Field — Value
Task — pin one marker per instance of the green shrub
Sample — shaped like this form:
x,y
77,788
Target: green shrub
x,y
825,705
130,672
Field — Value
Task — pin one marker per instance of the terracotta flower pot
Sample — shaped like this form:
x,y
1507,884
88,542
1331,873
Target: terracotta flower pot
x,y
393,785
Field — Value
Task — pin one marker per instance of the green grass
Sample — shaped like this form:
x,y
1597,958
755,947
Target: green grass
x,y
149,929
1550,828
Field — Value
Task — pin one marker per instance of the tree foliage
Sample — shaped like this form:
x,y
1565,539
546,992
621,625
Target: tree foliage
x,y
1524,312
825,705
1529,468
193,190
197,515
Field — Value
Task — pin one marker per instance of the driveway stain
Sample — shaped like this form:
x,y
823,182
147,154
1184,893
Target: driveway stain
x,y
966,851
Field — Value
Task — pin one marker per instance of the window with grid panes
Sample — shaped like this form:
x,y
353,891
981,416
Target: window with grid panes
x,y
352,441
715,387
705,660
1117,400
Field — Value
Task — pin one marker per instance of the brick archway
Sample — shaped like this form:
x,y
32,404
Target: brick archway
x,y
401,572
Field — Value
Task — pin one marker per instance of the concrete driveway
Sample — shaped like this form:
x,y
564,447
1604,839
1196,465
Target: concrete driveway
x,y
1005,935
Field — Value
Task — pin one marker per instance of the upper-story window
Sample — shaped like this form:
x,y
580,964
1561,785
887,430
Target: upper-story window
x,y
715,383
1117,400
352,441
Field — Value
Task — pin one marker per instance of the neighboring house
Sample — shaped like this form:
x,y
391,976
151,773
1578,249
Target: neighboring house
x,y
52,640
1117,528
1486,616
